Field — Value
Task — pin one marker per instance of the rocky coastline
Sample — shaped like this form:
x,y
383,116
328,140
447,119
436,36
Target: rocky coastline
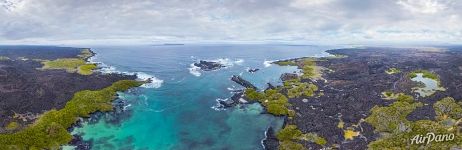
x,y
353,85
35,88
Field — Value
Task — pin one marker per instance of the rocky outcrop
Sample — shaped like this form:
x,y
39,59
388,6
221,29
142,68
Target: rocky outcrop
x,y
270,142
253,70
270,86
237,98
242,82
288,76
208,65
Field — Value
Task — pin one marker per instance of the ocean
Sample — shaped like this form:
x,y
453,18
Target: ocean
x,y
178,110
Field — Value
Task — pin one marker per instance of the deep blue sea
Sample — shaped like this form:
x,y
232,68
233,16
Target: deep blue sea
x,y
178,110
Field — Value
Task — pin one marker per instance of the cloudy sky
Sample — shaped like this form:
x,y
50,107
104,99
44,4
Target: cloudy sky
x,y
179,21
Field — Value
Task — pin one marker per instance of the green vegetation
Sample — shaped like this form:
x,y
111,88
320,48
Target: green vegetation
x,y
308,66
49,131
426,74
277,103
274,102
86,53
393,71
290,145
252,94
69,64
312,137
3,58
12,126
295,88
403,140
86,69
72,65
389,95
350,134
286,63
447,107
401,97
310,70
392,120
290,134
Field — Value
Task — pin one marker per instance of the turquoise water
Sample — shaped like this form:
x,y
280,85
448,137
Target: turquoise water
x,y
429,87
178,110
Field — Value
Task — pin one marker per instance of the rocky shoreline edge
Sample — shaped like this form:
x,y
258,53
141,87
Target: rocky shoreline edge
x,y
118,114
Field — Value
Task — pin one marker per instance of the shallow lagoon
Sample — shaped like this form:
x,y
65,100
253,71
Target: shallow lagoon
x,y
429,86
178,111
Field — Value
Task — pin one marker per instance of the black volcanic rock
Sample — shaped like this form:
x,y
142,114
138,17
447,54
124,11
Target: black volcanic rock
x,y
242,82
253,70
270,86
288,76
28,91
208,65
270,142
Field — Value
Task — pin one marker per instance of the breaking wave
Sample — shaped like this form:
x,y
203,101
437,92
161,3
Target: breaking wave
x,y
267,63
196,71
141,76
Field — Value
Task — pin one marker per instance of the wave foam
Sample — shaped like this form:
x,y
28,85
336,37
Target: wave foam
x,y
106,69
228,62
155,82
218,106
267,63
194,70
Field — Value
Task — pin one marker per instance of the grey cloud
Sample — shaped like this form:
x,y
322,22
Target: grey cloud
x,y
223,20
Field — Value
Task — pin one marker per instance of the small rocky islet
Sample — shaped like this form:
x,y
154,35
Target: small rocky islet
x,y
363,98
208,65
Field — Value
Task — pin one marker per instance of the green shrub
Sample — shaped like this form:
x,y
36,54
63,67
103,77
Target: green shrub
x,y
425,74
447,107
72,65
286,63
390,118
12,126
401,140
289,132
405,98
252,94
312,137
392,71
290,145
274,102
86,69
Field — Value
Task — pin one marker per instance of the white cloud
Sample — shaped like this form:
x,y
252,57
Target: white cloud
x,y
145,21
308,3
423,6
